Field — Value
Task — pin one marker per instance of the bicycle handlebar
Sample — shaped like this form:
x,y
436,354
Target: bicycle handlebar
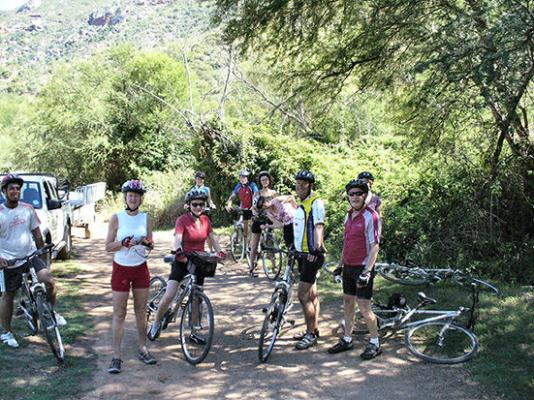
x,y
36,253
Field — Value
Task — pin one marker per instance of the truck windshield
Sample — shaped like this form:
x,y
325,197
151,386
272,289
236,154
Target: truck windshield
x,y
30,193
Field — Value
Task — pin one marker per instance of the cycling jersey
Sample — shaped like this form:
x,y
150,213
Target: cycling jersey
x,y
309,213
245,194
373,201
361,232
16,226
193,237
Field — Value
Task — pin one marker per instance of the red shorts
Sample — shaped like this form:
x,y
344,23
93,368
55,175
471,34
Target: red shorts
x,y
122,278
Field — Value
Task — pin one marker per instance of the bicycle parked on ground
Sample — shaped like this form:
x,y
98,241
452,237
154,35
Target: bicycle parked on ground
x,y
34,306
414,275
194,306
281,303
269,253
237,238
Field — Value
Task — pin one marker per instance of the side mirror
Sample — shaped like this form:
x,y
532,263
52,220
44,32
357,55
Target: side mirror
x,y
53,204
63,190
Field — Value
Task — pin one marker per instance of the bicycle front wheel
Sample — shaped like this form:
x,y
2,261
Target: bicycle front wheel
x,y
272,325
28,309
196,327
49,326
440,343
271,261
237,245
402,274
155,294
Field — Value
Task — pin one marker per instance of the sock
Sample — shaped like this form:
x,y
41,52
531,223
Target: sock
x,y
374,341
347,339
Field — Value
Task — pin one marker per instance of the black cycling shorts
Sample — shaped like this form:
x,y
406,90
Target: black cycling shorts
x,y
179,271
247,215
350,278
258,222
288,235
308,270
13,277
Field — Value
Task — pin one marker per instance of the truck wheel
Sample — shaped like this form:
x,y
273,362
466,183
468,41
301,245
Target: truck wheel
x,y
66,252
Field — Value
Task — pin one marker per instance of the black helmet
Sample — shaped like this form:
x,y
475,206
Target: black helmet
x,y
133,185
11,178
366,175
200,174
196,194
357,183
244,172
305,175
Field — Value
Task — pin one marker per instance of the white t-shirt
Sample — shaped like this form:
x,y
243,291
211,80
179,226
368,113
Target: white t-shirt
x,y
130,225
16,226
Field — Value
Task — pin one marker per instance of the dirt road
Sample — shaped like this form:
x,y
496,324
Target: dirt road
x,y
231,370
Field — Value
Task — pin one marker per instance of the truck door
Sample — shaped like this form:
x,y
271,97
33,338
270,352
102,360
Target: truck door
x,y
55,216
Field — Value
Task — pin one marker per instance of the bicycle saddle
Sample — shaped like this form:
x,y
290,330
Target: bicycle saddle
x,y
424,299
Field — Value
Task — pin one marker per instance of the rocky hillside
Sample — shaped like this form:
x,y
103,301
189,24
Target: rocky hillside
x,y
40,32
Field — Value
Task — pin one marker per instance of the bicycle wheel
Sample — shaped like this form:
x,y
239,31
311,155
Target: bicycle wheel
x,y
196,328
237,245
330,266
49,326
155,293
271,261
438,343
27,308
465,279
272,324
403,275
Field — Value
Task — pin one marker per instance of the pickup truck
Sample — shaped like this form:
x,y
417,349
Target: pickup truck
x,y
43,192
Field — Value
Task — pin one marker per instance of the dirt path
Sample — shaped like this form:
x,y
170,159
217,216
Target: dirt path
x,y
231,370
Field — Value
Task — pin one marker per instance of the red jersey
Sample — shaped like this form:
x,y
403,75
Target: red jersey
x,y
361,232
193,237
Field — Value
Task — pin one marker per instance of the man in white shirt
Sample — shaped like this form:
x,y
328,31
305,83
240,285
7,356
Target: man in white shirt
x,y
19,236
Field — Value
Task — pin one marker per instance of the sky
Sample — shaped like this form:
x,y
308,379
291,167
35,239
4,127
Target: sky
x,y
6,5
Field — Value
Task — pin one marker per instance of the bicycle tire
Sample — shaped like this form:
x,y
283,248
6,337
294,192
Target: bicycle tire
x,y
194,350
272,324
49,325
271,261
330,266
455,346
29,310
237,245
402,274
156,290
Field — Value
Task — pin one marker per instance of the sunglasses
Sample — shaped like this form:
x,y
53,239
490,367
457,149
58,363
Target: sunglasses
x,y
197,204
352,194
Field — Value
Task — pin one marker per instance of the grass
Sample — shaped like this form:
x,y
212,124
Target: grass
x,y
31,371
505,330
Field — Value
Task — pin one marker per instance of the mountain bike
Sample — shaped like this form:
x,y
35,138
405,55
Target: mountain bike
x,y
411,274
34,306
193,305
269,253
237,238
281,303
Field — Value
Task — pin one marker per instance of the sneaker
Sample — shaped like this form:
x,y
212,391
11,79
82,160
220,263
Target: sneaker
x,y
299,336
371,351
154,331
9,339
340,346
197,339
60,320
147,358
115,366
307,341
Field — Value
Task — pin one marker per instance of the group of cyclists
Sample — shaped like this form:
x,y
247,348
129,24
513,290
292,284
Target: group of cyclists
x,y
302,218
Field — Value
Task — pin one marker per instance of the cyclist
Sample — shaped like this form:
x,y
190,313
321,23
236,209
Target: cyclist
x,y
19,236
372,200
200,177
244,190
266,191
361,238
128,230
192,230
308,225
280,211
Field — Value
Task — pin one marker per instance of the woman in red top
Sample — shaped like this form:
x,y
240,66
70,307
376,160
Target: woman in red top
x,y
192,230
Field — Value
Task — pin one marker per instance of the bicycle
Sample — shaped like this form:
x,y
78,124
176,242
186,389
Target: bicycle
x,y
237,238
197,317
281,303
33,304
413,275
269,253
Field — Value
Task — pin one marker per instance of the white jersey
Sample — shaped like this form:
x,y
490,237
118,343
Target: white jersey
x,y
130,225
16,226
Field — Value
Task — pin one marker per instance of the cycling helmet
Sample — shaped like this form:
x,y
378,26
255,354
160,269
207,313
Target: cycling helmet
x,y
244,172
366,175
357,183
133,185
305,175
196,194
11,178
200,174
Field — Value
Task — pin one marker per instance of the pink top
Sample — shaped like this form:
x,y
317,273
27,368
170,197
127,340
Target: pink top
x,y
193,237
284,212
361,232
